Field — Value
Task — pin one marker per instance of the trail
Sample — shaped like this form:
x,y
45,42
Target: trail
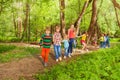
x,y
27,67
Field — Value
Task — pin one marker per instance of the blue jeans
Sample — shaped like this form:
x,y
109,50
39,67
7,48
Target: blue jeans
x,y
66,52
104,44
74,43
101,44
108,43
70,45
57,50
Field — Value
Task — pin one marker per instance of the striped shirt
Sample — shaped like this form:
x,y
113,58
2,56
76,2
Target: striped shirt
x,y
46,40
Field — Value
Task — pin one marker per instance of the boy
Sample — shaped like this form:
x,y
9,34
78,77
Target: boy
x,y
46,41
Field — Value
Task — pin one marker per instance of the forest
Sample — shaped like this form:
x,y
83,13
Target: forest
x,y
22,22
25,20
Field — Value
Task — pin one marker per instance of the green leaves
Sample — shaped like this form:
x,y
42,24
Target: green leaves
x,y
100,65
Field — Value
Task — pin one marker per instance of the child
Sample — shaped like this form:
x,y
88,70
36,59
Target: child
x,y
107,40
75,41
83,41
46,41
95,40
66,46
102,41
57,44
71,39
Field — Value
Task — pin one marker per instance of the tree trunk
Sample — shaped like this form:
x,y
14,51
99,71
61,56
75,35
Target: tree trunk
x,y
117,16
78,21
29,28
62,16
116,4
93,20
25,25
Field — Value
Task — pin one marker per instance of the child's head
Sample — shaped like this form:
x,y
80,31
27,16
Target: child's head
x,y
57,29
72,26
65,36
47,30
85,32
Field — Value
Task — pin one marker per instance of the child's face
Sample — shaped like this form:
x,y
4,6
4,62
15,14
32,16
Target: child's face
x,y
47,32
72,26
58,30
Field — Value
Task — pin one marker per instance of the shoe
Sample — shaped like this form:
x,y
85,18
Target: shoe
x,y
45,64
56,60
60,58
69,56
64,57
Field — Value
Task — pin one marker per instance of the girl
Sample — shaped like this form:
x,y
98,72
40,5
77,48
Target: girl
x,y
57,44
66,45
83,41
71,39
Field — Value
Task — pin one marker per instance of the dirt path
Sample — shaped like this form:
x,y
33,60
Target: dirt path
x,y
27,67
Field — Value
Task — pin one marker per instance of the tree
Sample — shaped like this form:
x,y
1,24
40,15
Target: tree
x,y
93,20
25,25
62,16
78,21
116,4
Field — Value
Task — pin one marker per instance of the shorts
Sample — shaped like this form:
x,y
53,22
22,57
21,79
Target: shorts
x,y
82,42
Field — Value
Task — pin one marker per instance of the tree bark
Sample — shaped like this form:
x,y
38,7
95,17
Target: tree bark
x,y
78,21
116,4
117,16
62,16
93,20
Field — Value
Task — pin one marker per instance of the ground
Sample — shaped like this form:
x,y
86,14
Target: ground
x,y
27,67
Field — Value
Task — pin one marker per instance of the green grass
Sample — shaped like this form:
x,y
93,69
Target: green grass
x,y
10,52
100,65
115,40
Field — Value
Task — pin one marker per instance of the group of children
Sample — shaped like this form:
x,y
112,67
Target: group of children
x,y
104,41
48,39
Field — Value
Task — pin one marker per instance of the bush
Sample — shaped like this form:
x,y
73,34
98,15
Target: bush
x,y
99,65
117,34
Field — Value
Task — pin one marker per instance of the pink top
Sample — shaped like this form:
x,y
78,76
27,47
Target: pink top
x,y
57,38
71,33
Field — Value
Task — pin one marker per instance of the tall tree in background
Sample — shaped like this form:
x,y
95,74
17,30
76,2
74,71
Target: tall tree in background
x,y
62,16
93,20
78,21
116,5
25,24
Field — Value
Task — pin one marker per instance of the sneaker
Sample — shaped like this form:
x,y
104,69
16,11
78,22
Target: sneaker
x,y
56,60
64,57
60,58
45,64
69,56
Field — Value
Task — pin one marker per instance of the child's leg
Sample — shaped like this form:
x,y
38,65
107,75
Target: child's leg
x,y
56,51
59,50
70,45
66,52
47,51
43,53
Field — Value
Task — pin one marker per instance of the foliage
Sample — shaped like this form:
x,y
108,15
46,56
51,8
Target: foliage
x,y
100,65
47,13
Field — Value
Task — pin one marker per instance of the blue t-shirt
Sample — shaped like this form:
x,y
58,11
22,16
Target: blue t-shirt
x,y
66,43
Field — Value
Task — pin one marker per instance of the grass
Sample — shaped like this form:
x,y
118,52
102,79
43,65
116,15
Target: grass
x,y
10,52
100,65
115,40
